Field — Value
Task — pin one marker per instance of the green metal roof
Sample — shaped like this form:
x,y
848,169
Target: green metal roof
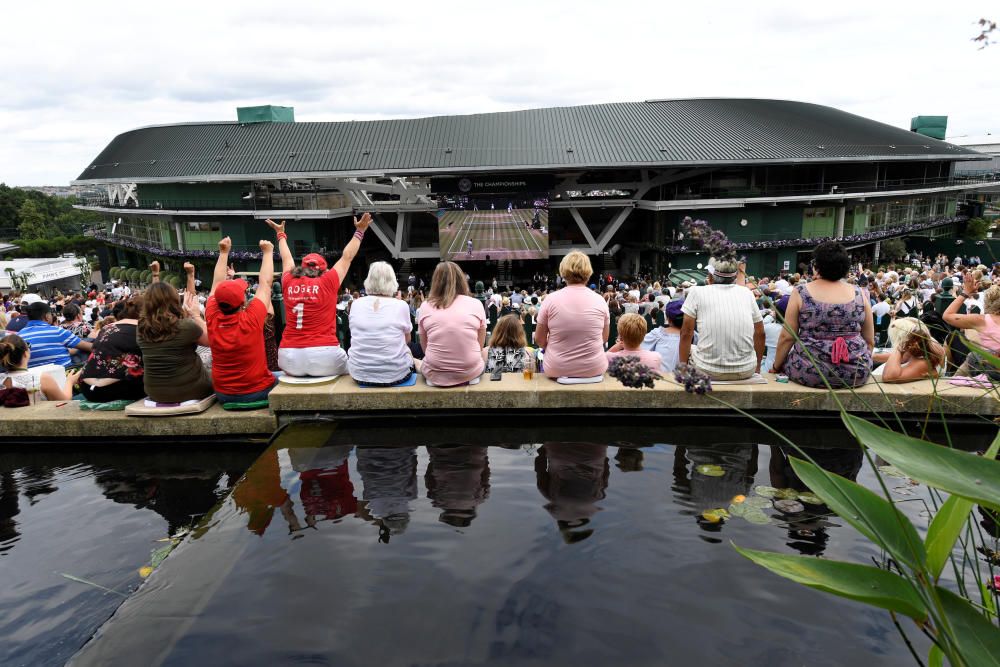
x,y
630,134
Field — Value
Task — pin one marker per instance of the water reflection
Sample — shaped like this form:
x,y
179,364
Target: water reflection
x,y
326,491
180,496
738,469
457,481
572,476
808,531
9,508
259,493
389,476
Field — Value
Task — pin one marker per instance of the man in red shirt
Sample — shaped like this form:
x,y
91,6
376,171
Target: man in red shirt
x,y
236,330
309,345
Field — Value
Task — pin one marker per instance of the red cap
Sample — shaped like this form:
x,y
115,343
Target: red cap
x,y
314,261
232,293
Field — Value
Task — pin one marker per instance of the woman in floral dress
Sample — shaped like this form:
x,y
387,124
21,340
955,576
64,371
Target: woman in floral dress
x,y
833,323
114,370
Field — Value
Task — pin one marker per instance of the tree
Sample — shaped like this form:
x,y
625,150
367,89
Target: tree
x,y
975,229
893,249
33,223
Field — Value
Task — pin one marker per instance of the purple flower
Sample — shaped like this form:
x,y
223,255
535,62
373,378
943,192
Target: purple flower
x,y
694,381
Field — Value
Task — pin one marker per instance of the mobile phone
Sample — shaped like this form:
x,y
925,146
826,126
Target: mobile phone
x,y
496,375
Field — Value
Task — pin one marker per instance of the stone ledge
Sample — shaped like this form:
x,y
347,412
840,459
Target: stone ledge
x,y
540,393
51,419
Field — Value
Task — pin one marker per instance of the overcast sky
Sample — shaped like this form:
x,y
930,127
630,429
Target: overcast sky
x,y
73,75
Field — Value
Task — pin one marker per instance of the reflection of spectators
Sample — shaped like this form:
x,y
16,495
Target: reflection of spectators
x,y
458,481
572,477
809,532
389,476
739,466
259,493
326,490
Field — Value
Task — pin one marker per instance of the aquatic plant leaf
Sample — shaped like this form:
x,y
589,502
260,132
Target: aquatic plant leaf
x,y
711,470
787,494
789,506
875,517
891,471
862,583
977,640
766,491
157,556
984,354
758,502
960,473
739,510
757,517
810,498
935,658
948,524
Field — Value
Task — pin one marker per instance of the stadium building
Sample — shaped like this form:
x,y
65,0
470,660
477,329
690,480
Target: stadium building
x,y
511,192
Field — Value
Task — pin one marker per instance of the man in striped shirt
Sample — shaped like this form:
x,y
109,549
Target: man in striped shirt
x,y
731,340
49,344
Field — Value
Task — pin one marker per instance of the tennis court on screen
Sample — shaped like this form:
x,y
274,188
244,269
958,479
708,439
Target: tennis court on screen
x,y
499,234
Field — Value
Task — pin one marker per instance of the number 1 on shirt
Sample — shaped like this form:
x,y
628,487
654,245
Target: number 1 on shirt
x,y
299,310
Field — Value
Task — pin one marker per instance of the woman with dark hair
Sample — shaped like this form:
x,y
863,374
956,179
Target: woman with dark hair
x,y
309,345
114,370
452,329
507,352
833,323
15,352
169,336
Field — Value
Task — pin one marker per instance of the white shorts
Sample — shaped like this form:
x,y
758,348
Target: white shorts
x,y
313,361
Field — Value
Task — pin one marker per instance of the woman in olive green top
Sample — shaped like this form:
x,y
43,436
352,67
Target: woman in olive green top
x,y
168,336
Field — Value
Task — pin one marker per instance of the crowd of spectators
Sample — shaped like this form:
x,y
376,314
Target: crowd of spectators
x,y
833,325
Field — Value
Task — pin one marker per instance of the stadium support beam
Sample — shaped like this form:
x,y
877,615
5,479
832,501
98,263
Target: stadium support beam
x,y
612,228
401,219
583,228
384,233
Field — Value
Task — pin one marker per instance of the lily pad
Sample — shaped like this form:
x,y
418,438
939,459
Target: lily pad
x,y
809,498
739,509
711,470
757,517
766,491
891,471
787,494
789,506
757,502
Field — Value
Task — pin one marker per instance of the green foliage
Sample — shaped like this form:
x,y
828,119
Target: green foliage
x,y
875,517
53,247
893,249
959,473
863,583
976,229
27,215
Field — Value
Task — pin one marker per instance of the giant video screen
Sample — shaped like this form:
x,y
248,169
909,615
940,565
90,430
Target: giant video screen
x,y
493,227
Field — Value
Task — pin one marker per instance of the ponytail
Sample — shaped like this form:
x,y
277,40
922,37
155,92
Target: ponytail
x,y
12,349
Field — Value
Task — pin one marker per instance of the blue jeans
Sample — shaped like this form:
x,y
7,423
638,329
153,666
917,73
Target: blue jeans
x,y
249,398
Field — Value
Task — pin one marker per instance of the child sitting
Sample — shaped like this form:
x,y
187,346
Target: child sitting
x,y
631,332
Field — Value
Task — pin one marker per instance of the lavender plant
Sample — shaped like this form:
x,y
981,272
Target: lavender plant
x,y
694,381
632,373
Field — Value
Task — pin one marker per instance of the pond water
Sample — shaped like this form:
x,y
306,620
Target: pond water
x,y
92,513
579,549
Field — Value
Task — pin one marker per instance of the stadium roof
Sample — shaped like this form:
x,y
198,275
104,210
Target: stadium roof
x,y
658,133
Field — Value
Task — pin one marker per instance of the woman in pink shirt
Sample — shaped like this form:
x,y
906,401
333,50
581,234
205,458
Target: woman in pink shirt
x,y
452,329
573,324
631,332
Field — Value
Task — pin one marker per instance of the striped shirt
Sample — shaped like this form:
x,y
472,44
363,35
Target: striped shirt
x,y
49,344
725,316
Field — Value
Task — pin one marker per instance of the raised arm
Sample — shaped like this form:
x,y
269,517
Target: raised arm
x,y
352,247
266,273
220,273
287,259
155,268
189,285
951,314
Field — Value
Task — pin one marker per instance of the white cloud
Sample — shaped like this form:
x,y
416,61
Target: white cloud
x,y
76,74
